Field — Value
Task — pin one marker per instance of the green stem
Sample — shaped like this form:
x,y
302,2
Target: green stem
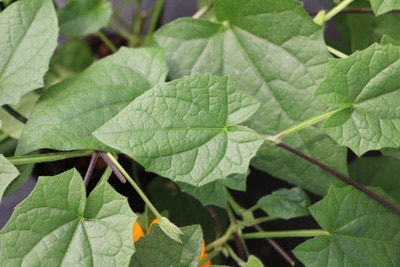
x,y
290,233
235,256
257,221
220,241
235,206
135,186
107,41
337,9
276,139
154,19
39,158
337,53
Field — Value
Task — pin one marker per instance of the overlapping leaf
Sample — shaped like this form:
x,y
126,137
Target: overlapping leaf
x,y
285,203
156,249
57,226
8,173
367,85
383,6
357,235
28,30
186,130
84,17
68,112
275,52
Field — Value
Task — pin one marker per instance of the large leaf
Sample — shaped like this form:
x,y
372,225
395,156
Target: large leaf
x,y
357,235
68,112
156,249
28,31
275,52
366,85
383,6
82,17
8,173
186,130
380,172
57,226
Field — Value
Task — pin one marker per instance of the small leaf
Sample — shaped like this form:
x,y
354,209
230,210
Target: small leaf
x,y
357,235
286,204
383,6
366,85
28,31
214,193
84,17
57,226
186,130
68,112
156,249
8,173
252,261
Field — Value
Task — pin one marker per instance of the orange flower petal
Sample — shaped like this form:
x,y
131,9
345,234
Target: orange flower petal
x,y
204,254
153,222
137,232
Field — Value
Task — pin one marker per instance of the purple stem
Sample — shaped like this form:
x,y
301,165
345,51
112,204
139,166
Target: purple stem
x,y
90,169
114,168
342,177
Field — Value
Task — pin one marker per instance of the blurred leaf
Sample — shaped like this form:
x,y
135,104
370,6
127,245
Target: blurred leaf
x,y
285,204
8,173
83,17
260,45
392,152
383,6
12,126
380,172
366,85
186,130
68,112
73,57
357,235
214,193
28,31
156,249
57,226
252,261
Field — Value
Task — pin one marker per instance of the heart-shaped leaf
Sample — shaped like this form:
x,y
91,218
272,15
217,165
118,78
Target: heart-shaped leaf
x,y
57,226
383,6
357,235
68,112
84,17
366,85
186,130
276,53
28,30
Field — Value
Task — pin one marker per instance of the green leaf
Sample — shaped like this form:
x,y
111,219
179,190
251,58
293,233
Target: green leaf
x,y
57,226
263,48
214,193
392,152
68,112
380,172
357,235
84,17
186,130
366,83
285,204
73,57
170,229
383,6
28,30
8,173
252,261
156,249
11,125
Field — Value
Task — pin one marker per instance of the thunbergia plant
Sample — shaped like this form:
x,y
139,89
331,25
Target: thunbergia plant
x,y
199,103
